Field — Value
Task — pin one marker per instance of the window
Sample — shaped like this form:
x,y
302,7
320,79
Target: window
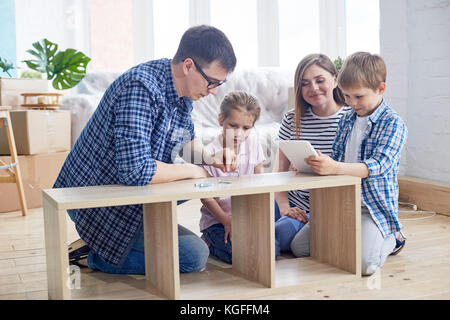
x,y
8,28
171,19
32,26
237,19
299,30
363,26
118,34
111,35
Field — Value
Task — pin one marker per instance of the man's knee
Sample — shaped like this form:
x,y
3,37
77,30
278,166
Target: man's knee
x,y
193,256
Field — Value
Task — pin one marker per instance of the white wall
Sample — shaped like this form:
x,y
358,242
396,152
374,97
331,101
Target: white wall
x,y
415,42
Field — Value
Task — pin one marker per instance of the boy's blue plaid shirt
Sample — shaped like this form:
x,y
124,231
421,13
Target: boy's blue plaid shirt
x,y
140,119
380,150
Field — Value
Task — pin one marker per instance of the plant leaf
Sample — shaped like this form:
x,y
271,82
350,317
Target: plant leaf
x,y
44,53
69,66
6,65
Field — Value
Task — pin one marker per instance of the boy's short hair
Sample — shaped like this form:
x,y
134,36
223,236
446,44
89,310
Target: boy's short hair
x,y
205,44
362,69
239,100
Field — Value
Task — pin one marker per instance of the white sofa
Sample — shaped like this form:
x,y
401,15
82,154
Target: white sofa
x,y
269,85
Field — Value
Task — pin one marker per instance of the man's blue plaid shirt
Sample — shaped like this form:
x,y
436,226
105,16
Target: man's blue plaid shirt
x,y
140,119
380,150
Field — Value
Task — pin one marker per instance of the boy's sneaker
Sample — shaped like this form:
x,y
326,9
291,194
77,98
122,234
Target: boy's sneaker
x,y
400,242
78,250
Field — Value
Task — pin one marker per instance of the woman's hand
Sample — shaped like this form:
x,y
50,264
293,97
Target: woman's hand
x,y
297,213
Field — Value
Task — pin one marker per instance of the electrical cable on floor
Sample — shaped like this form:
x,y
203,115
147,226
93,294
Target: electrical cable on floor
x,y
414,211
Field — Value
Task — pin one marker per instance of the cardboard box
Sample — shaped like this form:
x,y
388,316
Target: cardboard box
x,y
11,88
38,131
38,172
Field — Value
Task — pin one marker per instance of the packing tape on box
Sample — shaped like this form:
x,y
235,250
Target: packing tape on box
x,y
31,179
51,128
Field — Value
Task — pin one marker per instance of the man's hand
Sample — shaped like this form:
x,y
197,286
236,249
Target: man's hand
x,y
226,160
297,213
167,172
197,171
322,164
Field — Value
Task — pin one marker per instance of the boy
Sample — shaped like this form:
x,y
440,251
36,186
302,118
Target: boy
x,y
368,144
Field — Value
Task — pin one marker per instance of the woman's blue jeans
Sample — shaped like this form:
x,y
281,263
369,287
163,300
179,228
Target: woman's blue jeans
x,y
285,230
193,254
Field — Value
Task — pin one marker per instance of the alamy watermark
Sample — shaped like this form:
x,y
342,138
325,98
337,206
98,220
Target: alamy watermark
x,y
183,146
374,281
74,279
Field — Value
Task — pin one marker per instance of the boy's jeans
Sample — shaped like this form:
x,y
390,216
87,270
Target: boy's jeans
x,y
193,254
374,248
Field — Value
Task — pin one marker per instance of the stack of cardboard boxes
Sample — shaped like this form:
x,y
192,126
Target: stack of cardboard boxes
x,y
42,140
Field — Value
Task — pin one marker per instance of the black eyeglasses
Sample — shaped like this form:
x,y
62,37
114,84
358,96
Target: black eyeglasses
x,y
211,84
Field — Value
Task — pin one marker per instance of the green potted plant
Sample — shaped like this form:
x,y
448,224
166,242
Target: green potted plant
x,y
65,69
6,65
338,63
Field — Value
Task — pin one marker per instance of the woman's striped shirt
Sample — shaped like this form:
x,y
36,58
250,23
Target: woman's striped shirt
x,y
319,131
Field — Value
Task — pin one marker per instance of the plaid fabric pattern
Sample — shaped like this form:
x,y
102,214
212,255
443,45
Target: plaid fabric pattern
x,y
380,150
140,119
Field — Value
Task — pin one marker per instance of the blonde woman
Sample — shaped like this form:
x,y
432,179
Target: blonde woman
x,y
319,105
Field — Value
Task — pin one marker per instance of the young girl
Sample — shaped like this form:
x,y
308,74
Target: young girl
x,y
238,114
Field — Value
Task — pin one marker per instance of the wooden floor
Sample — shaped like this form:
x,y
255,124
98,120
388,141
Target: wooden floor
x,y
420,271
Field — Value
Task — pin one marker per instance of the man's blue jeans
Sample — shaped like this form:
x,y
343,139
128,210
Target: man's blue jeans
x,y
193,254
285,230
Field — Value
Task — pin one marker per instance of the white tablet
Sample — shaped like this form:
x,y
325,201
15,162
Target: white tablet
x,y
296,151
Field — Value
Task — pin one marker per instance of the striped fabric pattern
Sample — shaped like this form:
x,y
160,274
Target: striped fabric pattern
x,y
319,131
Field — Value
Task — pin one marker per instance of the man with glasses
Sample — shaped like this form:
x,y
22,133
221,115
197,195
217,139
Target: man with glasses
x,y
139,125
